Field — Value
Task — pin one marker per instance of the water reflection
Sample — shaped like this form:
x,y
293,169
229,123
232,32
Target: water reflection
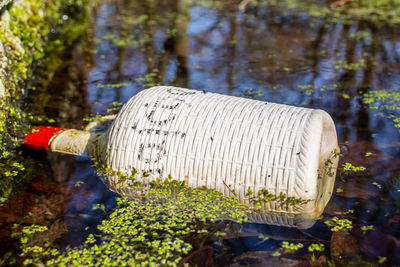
x,y
276,55
282,56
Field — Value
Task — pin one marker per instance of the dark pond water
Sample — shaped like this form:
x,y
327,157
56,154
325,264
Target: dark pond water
x,y
267,53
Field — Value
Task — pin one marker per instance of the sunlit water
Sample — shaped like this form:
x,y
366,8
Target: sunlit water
x,y
266,54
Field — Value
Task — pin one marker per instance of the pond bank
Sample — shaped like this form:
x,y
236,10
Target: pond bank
x,y
30,42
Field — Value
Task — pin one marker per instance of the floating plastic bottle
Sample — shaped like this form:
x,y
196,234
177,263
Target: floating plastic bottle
x,y
232,144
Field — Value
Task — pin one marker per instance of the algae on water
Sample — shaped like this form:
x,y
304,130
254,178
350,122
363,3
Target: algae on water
x,y
156,230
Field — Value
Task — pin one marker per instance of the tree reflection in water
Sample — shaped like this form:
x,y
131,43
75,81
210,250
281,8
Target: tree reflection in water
x,y
286,56
309,55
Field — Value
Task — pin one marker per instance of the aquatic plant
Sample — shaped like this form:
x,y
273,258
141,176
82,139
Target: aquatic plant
x,y
350,167
341,11
335,224
153,226
150,79
387,102
316,247
287,247
263,238
290,247
153,230
309,90
365,228
31,251
251,93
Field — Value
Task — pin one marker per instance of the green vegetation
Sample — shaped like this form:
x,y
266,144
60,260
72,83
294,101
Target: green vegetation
x,y
290,247
256,200
31,252
254,94
14,169
336,224
344,11
381,259
316,247
387,102
150,79
160,226
365,228
152,230
350,167
342,64
155,225
117,85
263,196
287,247
16,48
263,238
377,185
310,88
28,56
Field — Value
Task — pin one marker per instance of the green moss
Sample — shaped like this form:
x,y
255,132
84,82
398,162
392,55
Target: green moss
x,y
18,45
28,56
14,168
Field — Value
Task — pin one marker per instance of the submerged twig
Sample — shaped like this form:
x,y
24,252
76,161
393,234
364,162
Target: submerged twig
x,y
311,236
233,192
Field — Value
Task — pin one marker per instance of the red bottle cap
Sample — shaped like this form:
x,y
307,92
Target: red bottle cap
x,y
40,137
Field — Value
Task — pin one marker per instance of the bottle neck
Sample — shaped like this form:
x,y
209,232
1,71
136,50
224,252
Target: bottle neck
x,y
67,141
75,142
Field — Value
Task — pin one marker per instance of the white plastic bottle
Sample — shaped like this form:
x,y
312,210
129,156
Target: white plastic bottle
x,y
223,142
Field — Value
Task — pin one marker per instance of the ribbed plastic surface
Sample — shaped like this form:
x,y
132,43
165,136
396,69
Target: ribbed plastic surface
x,y
285,219
223,142
302,221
